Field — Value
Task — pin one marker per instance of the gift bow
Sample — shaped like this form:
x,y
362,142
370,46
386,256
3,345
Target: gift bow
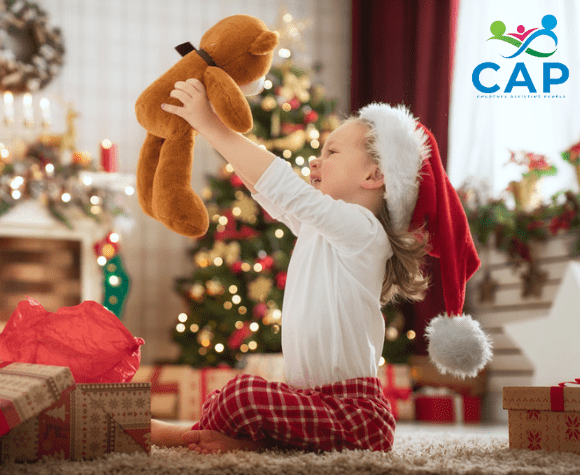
x,y
557,395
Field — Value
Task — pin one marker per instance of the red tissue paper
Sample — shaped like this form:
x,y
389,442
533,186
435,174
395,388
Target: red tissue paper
x,y
87,338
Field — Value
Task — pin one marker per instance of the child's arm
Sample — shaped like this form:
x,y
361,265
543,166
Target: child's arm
x,y
248,159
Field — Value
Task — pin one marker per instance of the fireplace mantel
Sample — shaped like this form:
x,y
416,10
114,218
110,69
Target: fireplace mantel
x,y
30,219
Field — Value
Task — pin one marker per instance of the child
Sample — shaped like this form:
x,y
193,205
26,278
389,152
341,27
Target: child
x,y
353,253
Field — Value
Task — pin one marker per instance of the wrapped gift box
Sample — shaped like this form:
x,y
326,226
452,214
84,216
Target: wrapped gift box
x,y
543,418
425,373
201,384
168,384
179,391
70,421
440,405
396,381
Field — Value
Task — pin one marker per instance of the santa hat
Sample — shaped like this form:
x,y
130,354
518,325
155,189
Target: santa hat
x,y
418,192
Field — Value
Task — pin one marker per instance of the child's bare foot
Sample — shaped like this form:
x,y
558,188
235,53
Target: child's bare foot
x,y
167,434
212,442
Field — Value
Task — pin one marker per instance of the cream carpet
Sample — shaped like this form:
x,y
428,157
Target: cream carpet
x,y
418,450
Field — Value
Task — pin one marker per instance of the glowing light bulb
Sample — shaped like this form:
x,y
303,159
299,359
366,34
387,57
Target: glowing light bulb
x,y
180,327
219,348
65,197
182,317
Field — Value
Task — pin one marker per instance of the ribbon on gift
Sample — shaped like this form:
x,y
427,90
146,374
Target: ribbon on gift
x,y
394,393
165,388
557,395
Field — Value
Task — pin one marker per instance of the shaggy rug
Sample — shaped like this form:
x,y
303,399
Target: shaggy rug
x,y
416,451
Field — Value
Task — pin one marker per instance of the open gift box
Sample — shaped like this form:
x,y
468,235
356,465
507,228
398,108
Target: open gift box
x,y
43,412
544,418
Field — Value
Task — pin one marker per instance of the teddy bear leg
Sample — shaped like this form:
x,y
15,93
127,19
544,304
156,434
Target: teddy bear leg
x,y
148,159
175,204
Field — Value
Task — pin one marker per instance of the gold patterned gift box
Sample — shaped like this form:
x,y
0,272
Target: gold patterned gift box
x,y
544,418
44,413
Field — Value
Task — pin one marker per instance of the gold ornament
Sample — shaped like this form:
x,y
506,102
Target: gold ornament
x,y
205,336
248,209
298,86
268,103
259,289
214,287
197,291
293,142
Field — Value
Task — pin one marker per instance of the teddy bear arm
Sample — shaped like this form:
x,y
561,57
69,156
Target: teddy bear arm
x,y
228,100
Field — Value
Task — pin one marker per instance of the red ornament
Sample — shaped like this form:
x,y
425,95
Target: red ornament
x,y
236,267
294,103
266,262
106,247
238,336
236,181
311,116
281,280
287,128
247,233
259,310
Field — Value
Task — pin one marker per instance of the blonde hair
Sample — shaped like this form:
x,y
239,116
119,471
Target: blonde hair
x,y
404,277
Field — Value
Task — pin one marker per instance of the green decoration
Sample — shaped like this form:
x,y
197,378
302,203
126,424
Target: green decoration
x,y
116,282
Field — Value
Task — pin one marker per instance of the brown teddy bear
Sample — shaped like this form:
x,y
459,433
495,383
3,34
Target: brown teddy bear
x,y
234,56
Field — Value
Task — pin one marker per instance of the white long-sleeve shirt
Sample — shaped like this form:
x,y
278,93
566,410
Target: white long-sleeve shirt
x,y
332,326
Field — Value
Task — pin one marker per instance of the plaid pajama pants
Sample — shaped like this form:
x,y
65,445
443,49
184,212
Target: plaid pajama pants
x,y
351,414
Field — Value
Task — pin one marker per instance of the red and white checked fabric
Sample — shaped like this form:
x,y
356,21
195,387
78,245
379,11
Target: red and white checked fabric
x,y
351,414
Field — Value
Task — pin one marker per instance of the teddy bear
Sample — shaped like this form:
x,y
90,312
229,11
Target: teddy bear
x,y
234,57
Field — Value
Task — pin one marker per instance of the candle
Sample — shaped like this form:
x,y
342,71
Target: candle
x,y
8,108
109,156
27,109
45,112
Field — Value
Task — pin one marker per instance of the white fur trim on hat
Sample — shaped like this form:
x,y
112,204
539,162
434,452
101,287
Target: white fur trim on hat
x,y
458,345
402,147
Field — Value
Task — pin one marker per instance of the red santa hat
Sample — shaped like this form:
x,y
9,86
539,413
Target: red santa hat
x,y
418,192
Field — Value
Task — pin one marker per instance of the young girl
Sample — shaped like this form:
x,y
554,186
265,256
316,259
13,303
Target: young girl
x,y
353,253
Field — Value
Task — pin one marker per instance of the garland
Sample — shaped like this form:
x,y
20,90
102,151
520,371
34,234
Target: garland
x,y
31,53
514,230
40,175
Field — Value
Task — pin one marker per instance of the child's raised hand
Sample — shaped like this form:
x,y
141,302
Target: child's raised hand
x,y
196,108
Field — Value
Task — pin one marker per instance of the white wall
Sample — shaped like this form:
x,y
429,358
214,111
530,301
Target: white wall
x,y
116,48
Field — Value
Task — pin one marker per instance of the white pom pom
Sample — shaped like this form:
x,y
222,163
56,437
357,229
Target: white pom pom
x,y
458,345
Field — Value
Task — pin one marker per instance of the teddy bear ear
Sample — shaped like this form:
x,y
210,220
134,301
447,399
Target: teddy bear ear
x,y
264,43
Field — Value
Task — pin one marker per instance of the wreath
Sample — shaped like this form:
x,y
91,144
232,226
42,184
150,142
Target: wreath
x,y
31,53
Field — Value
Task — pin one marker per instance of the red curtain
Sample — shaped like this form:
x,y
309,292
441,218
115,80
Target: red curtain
x,y
402,52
